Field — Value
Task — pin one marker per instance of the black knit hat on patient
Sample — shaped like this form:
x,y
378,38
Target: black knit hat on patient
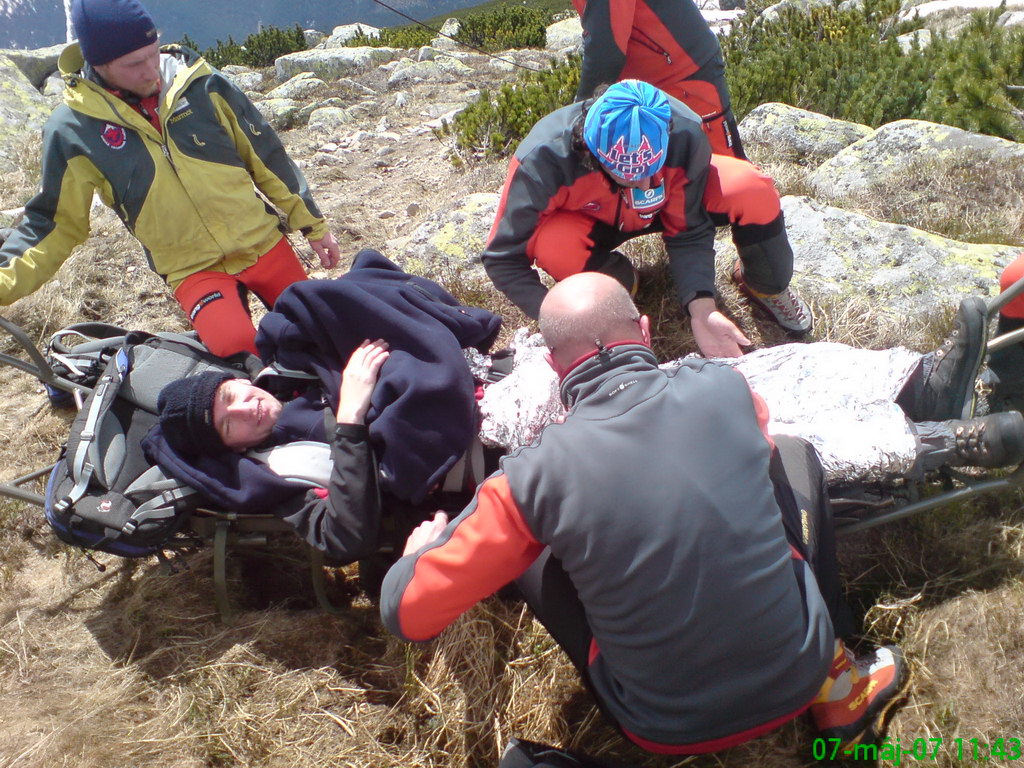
x,y
186,413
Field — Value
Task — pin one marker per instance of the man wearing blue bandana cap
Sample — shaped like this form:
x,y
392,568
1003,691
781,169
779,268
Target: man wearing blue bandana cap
x,y
594,174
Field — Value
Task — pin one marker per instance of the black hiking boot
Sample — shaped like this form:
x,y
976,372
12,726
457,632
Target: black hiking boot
x,y
996,440
949,386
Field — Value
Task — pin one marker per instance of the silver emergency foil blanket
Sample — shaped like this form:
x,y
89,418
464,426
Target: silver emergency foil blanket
x,y
838,398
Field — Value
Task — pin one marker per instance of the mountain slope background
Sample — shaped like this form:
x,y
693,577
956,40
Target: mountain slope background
x,y
37,23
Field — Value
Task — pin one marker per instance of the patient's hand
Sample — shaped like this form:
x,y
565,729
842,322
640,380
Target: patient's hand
x,y
358,380
425,533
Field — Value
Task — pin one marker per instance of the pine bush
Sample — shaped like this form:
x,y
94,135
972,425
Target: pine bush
x,y
263,47
494,125
259,49
505,27
848,64
509,26
411,36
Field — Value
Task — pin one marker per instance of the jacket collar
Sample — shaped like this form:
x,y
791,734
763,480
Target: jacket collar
x,y
590,372
85,93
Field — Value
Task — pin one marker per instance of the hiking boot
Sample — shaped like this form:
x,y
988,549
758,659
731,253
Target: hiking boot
x,y
786,309
996,440
949,386
858,694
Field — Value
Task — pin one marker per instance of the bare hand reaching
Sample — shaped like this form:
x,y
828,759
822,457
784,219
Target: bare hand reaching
x,y
358,380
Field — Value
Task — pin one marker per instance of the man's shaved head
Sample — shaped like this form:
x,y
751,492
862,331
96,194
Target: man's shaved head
x,y
587,310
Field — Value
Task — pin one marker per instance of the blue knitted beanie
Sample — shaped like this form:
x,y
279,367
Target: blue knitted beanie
x,y
626,128
109,29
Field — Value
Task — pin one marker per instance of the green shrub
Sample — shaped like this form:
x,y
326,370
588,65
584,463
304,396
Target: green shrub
x,y
223,53
847,64
411,36
509,26
505,27
494,125
259,49
969,87
270,43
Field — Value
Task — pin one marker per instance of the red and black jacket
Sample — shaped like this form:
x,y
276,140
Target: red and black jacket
x,y
548,174
661,42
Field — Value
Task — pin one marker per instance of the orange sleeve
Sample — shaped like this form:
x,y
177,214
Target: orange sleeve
x,y
763,417
480,551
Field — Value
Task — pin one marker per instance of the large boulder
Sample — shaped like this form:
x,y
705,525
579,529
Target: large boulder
x,y
447,40
952,16
1012,19
902,270
565,36
443,69
720,21
341,35
448,244
773,12
23,110
243,77
282,114
37,64
332,63
301,86
797,135
895,148
313,37
329,119
922,38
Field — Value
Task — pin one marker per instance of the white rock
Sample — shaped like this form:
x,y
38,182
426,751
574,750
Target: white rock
x,y
301,86
565,35
346,32
449,29
923,38
332,63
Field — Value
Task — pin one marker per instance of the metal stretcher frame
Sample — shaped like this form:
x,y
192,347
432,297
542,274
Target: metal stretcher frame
x,y
959,487
225,530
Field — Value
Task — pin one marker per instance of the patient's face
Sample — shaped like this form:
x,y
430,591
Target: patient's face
x,y
244,414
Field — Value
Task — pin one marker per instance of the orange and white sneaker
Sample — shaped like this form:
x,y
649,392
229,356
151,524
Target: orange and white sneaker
x,y
859,693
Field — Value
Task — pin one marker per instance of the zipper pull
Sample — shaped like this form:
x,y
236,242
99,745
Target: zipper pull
x,y
668,59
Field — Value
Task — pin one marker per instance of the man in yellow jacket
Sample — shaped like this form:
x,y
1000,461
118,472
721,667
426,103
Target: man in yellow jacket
x,y
178,152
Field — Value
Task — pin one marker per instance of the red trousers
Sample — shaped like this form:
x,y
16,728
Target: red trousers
x,y
737,193
1013,273
217,303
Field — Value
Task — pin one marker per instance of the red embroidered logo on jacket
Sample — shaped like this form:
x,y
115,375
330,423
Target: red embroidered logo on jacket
x,y
630,165
113,136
